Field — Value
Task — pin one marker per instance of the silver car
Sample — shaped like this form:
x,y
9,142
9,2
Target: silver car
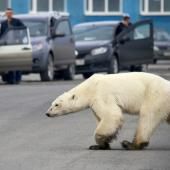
x,y
51,47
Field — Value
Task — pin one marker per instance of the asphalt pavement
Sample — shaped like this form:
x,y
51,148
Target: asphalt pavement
x,y
31,141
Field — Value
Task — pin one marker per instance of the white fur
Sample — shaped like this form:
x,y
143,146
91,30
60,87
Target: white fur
x,y
109,96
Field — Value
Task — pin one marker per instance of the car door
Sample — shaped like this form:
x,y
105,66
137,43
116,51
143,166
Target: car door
x,y
15,50
64,44
136,44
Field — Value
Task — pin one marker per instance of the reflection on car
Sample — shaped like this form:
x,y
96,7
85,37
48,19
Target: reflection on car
x,y
99,52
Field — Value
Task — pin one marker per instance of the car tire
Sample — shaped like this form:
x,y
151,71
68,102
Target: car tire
x,y
58,75
87,75
4,77
134,68
69,73
48,74
113,66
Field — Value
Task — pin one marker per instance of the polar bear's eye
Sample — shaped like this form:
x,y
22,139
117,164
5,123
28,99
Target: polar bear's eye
x,y
73,97
56,105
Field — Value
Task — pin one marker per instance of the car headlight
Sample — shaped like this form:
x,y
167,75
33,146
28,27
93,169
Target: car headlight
x,y
156,48
98,51
76,53
37,47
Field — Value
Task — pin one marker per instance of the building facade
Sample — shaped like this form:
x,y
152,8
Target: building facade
x,y
96,10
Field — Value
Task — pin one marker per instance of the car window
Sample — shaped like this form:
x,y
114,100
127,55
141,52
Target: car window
x,y
63,28
15,37
142,32
94,33
161,35
37,27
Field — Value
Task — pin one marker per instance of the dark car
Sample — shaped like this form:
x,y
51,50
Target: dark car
x,y
98,51
162,44
53,47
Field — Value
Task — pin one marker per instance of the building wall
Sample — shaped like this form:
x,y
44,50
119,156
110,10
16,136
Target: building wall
x,y
76,10
20,6
160,22
77,13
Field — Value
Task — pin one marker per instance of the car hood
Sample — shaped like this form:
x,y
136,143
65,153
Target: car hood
x,y
162,43
87,46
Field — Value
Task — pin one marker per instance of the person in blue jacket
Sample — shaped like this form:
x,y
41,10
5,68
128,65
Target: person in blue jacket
x,y
12,77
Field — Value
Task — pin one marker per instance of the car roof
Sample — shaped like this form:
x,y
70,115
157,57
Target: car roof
x,y
97,23
41,15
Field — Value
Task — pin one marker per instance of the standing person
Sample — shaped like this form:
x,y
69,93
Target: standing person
x,y
124,24
12,77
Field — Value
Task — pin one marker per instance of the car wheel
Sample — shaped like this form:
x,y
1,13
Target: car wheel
x,y
113,66
58,75
87,75
134,68
69,73
4,77
48,74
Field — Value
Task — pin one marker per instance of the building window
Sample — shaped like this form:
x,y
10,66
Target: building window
x,y
59,5
103,7
155,7
48,5
42,5
4,4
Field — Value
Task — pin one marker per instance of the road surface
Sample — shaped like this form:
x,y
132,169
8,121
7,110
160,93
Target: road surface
x,y
31,141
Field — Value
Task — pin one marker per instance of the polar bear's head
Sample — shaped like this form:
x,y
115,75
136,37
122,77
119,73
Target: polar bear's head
x,y
68,102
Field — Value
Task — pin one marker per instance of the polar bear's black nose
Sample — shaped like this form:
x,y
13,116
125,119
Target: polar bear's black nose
x,y
47,114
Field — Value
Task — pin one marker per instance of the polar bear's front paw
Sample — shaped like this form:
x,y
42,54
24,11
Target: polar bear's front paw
x,y
132,146
100,147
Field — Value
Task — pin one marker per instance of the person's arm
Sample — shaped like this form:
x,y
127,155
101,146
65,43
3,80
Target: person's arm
x,y
3,28
20,23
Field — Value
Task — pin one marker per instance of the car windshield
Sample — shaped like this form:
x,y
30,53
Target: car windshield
x,y
161,35
37,28
94,33
15,36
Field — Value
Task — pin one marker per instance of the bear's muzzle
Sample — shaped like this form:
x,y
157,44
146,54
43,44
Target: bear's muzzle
x,y
50,115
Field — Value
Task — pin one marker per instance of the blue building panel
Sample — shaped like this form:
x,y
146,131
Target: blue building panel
x,y
160,22
132,7
76,9
20,6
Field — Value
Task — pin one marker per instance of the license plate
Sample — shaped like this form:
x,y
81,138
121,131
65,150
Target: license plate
x,y
80,62
167,54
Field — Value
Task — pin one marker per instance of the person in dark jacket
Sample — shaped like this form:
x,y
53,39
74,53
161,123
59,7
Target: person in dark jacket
x,y
124,24
12,77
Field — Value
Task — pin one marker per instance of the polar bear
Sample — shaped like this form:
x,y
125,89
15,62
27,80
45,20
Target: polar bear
x,y
109,96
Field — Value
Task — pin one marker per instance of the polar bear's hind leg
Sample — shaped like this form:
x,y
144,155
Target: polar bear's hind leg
x,y
146,126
